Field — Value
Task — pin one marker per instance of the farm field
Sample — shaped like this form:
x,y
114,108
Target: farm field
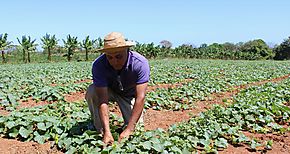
x,y
192,106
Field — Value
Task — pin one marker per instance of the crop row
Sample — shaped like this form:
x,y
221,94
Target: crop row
x,y
259,109
209,77
52,81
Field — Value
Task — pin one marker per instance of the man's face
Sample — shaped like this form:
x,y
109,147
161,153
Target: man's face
x,y
117,59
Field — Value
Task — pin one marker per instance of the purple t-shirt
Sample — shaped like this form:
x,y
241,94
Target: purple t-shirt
x,y
135,71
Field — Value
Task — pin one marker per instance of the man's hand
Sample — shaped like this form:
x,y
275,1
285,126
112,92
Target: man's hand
x,y
136,112
125,134
108,139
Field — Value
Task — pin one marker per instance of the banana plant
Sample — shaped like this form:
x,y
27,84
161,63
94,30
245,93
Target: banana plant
x,y
49,43
100,43
70,44
27,45
3,45
88,45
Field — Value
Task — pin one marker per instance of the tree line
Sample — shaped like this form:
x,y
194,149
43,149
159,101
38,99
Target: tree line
x,y
251,50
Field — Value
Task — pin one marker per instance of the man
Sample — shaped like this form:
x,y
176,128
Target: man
x,y
119,75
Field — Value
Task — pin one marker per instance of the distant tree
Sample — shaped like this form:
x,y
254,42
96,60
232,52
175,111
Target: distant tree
x,y
4,44
27,45
229,46
184,51
257,49
148,50
151,50
166,44
71,43
282,51
88,45
49,43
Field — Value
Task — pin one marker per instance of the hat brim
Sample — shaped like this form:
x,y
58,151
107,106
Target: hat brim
x,y
128,44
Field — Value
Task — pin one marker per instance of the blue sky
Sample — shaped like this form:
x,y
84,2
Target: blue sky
x,y
183,21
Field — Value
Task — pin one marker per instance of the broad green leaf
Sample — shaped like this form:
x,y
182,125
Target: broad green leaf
x,y
146,145
40,139
38,119
10,124
254,144
2,119
72,150
176,150
221,143
158,147
12,99
1,130
41,126
14,133
24,132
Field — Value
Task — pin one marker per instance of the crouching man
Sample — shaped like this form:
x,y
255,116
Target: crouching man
x,y
119,75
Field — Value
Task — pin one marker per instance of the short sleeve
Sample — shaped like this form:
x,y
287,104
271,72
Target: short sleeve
x,y
99,78
143,73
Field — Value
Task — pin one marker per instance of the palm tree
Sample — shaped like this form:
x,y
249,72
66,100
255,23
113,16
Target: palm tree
x,y
3,45
88,45
71,44
100,43
49,43
27,45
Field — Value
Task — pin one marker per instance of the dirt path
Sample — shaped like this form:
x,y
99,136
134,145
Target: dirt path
x,y
12,146
153,119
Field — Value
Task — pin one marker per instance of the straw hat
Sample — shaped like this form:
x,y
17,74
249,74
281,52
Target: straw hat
x,y
114,42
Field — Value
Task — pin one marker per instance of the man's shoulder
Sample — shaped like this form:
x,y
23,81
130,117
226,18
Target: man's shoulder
x,y
138,58
139,62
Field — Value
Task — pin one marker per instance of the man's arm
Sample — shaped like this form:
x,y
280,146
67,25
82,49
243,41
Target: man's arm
x,y
137,110
102,94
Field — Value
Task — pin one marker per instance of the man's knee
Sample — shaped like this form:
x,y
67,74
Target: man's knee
x,y
91,92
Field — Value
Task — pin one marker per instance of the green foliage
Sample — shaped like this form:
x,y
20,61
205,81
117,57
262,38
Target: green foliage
x,y
283,50
27,46
3,45
183,51
49,43
100,43
41,82
56,56
257,49
199,78
257,109
149,50
71,44
88,45
252,50
65,124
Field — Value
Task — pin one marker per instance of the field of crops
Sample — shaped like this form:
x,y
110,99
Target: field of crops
x,y
259,104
